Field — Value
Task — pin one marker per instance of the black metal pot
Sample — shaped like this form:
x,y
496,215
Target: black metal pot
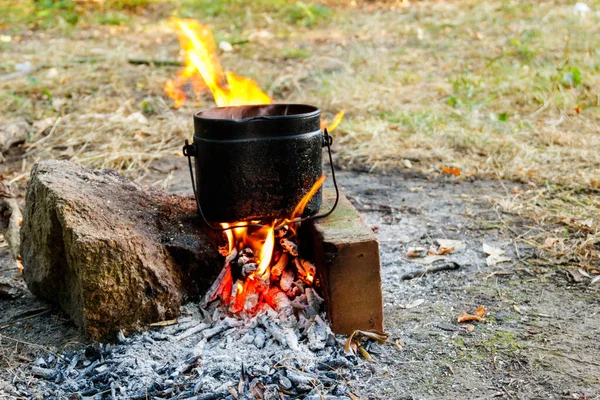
x,y
255,162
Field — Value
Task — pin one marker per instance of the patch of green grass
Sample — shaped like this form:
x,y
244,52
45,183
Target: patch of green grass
x,y
237,11
307,14
111,18
296,52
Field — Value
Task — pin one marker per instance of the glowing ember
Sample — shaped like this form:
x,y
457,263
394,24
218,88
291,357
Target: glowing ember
x,y
201,60
262,264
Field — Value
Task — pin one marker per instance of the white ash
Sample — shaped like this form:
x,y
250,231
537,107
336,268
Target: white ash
x,y
208,355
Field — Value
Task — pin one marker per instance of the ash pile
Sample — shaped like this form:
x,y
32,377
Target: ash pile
x,y
209,354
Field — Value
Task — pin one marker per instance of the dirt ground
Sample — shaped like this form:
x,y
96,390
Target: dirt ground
x,y
505,92
538,341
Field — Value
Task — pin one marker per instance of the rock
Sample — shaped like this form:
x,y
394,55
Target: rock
x,y
13,132
10,218
112,254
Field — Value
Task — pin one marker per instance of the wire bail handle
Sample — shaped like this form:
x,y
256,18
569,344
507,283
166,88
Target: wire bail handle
x,y
189,151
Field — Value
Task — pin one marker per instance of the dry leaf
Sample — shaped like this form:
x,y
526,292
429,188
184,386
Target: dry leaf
x,y
550,242
469,327
450,170
348,344
516,190
480,312
432,251
494,255
596,279
415,252
440,251
517,309
582,272
445,250
576,276
353,342
398,345
458,245
365,354
477,315
380,337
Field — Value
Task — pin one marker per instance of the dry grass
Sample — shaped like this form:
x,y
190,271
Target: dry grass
x,y
499,89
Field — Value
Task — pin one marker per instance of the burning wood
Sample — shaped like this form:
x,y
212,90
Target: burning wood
x,y
251,277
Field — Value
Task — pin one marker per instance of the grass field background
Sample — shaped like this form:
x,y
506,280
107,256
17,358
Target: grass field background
x,y
498,89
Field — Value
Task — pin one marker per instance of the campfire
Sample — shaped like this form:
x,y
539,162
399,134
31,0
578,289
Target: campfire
x,y
262,263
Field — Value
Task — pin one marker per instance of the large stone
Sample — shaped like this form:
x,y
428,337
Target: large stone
x,y
112,254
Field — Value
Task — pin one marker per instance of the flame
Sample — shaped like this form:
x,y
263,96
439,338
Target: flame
x,y
229,235
247,294
200,58
302,204
266,252
336,121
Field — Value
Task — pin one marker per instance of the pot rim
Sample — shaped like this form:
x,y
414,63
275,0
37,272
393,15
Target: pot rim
x,y
311,111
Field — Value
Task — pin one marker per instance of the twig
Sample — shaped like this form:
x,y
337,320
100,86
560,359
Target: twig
x,y
449,266
39,346
24,318
158,63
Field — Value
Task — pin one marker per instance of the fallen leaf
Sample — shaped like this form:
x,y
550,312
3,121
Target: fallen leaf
x,y
476,316
365,354
398,345
582,272
517,309
414,304
481,311
348,344
550,242
596,279
494,255
516,190
576,276
380,337
440,251
450,170
444,250
458,245
469,327
415,252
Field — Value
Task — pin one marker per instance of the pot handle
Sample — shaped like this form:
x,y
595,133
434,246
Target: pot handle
x,y
189,151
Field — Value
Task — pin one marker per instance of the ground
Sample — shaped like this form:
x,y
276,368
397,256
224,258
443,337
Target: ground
x,y
504,92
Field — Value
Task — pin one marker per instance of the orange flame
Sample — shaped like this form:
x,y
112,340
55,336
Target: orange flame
x,y
336,121
266,252
302,204
200,57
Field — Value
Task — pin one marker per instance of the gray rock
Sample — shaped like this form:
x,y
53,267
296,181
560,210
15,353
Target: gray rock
x,y
112,254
